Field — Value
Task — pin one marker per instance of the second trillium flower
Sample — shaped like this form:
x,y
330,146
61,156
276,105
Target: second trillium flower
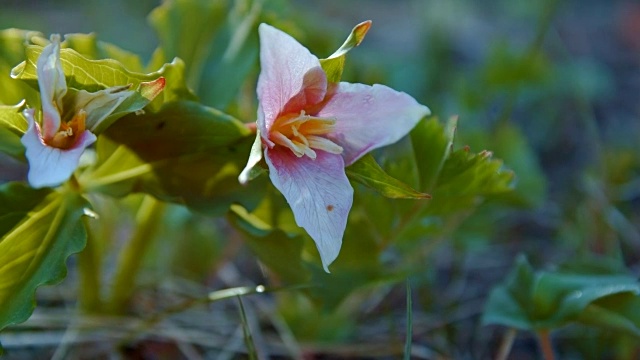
x,y
70,119
311,129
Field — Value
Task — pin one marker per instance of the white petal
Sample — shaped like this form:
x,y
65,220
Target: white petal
x,y
319,194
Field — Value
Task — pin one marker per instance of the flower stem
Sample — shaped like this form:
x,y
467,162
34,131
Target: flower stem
x,y
545,345
506,344
89,265
131,257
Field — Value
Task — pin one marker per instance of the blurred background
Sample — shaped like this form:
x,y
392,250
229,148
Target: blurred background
x,y
551,87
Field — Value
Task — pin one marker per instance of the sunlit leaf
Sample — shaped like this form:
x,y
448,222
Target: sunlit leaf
x,y
16,200
90,47
367,172
94,75
12,42
12,126
334,64
35,251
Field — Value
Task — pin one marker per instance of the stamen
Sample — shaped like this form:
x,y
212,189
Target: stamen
x,y
325,144
300,134
280,139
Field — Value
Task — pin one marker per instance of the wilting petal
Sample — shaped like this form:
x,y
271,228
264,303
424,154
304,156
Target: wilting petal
x,y
319,194
49,166
369,117
99,105
151,89
53,86
291,76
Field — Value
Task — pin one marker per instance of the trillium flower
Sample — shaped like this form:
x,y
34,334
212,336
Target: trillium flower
x,y
311,129
69,121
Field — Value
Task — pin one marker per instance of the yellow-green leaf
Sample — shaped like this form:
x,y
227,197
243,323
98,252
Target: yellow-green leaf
x,y
367,172
334,64
35,251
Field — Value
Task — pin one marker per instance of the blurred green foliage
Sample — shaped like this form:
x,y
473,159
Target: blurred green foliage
x,y
538,156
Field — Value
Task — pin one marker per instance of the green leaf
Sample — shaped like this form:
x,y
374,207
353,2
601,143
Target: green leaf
x,y
617,313
94,75
280,252
334,64
509,143
12,126
186,29
367,172
466,179
217,40
432,145
16,200
34,253
12,52
89,46
195,162
544,300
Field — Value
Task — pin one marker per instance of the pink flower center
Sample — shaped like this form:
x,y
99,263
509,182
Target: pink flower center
x,y
69,131
302,134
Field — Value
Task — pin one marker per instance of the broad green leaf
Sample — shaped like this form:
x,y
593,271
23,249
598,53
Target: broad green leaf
x,y
530,300
89,46
367,172
12,43
234,56
617,313
35,251
195,162
16,200
278,251
94,75
186,29
432,145
217,39
12,126
466,179
179,128
334,64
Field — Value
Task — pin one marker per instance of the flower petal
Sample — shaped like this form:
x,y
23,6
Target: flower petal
x,y
369,117
291,77
99,105
53,86
319,194
250,172
49,166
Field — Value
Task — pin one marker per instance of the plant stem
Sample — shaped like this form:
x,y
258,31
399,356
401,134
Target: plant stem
x,y
131,257
506,343
89,272
545,345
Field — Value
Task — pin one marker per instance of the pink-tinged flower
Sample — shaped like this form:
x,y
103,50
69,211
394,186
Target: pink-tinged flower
x,y
70,119
311,129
